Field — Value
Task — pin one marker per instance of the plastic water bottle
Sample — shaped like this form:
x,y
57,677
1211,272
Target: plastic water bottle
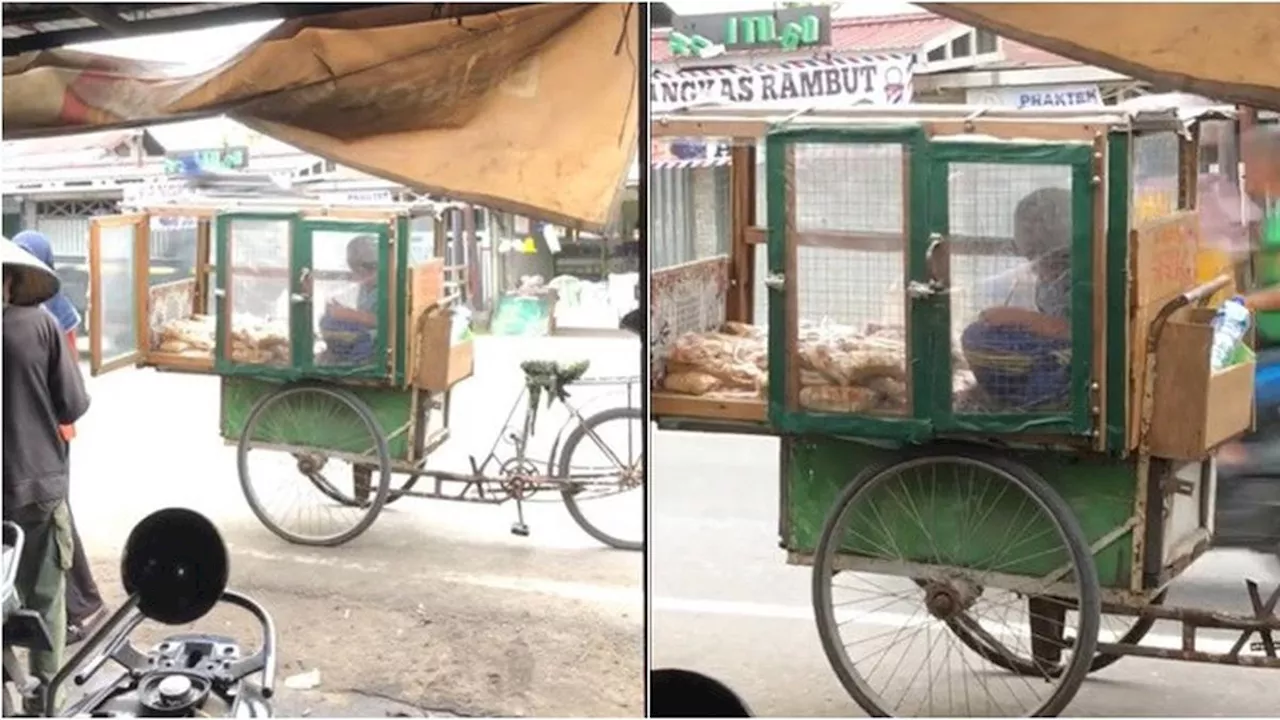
x,y
1229,328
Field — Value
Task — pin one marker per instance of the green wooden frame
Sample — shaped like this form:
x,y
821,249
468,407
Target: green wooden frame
x,y
1119,187
401,246
927,213
223,365
301,327
912,139
302,334
937,315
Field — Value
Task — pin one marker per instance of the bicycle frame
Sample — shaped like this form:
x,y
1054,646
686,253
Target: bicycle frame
x,y
528,427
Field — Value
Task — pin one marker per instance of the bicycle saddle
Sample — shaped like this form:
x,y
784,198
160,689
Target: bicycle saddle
x,y
553,373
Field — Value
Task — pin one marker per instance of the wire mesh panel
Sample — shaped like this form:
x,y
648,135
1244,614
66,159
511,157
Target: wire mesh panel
x,y
257,279
1155,175
1009,246
345,297
850,263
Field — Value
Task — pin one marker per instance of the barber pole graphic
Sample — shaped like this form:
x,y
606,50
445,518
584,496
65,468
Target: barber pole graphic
x,y
895,86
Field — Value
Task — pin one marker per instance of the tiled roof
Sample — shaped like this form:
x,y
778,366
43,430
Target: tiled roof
x,y
893,33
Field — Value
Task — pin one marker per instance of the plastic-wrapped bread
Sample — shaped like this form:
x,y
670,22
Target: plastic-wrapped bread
x,y
690,383
837,399
812,377
871,363
745,330
824,360
887,387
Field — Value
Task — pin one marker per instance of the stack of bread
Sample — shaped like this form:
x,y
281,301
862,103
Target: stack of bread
x,y
186,336
258,342
842,369
730,363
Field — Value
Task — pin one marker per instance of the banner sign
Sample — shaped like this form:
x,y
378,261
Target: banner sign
x,y
879,80
1037,96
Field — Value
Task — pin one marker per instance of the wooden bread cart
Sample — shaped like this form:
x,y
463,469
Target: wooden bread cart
x,y
338,332
991,380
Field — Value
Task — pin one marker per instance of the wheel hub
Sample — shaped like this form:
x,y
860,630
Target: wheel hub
x,y
310,463
947,598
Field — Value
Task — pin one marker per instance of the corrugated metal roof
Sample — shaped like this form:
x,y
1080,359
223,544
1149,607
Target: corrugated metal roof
x,y
99,141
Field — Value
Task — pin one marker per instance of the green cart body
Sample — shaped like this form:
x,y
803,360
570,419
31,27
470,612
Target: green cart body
x,y
905,219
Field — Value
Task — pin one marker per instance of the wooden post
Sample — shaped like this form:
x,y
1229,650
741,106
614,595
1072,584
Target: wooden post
x,y
473,256
740,304
1251,163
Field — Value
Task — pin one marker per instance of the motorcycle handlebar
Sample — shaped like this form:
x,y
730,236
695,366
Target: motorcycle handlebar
x,y
268,651
120,626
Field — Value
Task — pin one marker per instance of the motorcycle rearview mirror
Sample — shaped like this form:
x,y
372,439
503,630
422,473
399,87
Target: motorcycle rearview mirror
x,y
688,694
175,564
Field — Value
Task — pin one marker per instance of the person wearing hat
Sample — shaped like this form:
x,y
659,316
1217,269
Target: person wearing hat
x,y
349,332
1021,357
85,608
43,389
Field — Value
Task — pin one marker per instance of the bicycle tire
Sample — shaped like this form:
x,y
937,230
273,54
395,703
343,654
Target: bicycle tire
x,y
565,468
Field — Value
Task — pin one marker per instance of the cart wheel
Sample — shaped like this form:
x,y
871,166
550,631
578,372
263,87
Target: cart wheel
x,y
615,453
955,536
320,438
1120,630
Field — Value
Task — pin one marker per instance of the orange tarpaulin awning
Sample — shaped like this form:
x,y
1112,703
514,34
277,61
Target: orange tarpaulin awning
x,y
530,109
1226,51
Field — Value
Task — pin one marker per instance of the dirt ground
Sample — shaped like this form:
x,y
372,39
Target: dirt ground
x,y
436,609
400,647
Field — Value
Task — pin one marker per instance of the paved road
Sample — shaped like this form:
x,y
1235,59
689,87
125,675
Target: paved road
x,y
725,602
437,607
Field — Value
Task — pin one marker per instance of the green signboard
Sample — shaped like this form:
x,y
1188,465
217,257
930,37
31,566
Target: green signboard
x,y
190,162
788,29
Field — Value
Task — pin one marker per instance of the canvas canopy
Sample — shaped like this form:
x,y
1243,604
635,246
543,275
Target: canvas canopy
x,y
1221,51
526,108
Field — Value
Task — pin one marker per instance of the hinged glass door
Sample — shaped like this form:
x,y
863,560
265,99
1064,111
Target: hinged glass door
x,y
344,298
847,223
118,282
256,293
1009,281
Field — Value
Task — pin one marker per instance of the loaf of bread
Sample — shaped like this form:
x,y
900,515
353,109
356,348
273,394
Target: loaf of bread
x,y
690,383
837,399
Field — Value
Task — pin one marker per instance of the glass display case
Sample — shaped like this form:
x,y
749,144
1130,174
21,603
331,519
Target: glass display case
x,y
276,293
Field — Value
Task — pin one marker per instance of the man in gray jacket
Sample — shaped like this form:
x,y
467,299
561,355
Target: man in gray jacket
x,y
43,389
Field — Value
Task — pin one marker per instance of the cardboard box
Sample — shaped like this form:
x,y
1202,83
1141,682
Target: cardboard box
x,y
1196,409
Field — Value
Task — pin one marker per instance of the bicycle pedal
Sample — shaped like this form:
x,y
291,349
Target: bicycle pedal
x,y
520,529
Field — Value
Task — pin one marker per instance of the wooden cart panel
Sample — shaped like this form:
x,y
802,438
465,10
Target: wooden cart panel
x,y
324,428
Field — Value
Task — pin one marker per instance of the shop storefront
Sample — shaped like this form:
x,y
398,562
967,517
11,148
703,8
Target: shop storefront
x,y
561,281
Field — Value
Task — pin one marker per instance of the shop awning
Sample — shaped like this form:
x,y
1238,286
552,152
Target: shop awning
x,y
491,108
1226,51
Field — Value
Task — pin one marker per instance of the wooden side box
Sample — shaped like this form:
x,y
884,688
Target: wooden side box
x,y
434,364
1162,266
1195,409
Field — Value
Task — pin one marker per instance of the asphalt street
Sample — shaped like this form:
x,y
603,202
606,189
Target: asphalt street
x,y
726,603
437,608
